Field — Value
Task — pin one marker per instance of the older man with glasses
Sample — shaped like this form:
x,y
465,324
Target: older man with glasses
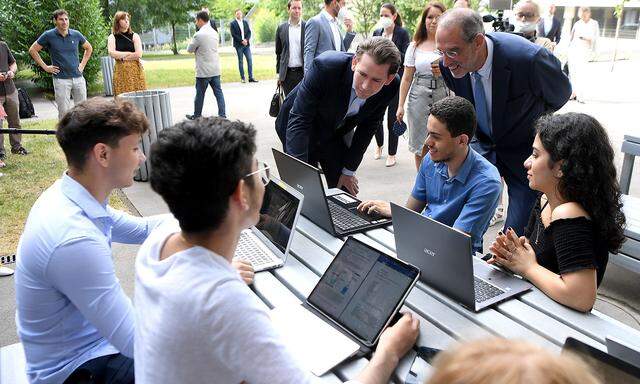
x,y
511,82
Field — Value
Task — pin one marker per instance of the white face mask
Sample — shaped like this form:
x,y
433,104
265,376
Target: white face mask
x,y
385,22
343,14
524,26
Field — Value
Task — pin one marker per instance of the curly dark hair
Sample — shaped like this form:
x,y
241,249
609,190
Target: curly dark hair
x,y
588,172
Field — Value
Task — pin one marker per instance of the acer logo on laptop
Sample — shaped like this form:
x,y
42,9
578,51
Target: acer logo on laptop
x,y
429,252
300,187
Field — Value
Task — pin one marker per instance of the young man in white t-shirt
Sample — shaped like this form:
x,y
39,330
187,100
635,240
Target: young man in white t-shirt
x,y
196,321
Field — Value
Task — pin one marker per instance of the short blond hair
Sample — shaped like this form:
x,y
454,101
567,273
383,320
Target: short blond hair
x,y
502,361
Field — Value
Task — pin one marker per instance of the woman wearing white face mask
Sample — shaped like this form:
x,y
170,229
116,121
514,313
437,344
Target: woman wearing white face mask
x,y
526,18
391,27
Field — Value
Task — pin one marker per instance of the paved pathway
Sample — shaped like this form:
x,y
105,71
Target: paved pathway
x,y
613,100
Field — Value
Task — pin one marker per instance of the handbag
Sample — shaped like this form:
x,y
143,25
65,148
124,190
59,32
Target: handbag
x,y
276,102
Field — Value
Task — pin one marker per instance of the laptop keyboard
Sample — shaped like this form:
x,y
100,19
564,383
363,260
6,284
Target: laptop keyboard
x,y
343,218
485,291
248,250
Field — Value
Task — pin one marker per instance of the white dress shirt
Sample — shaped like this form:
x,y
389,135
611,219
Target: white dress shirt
x,y
241,25
337,37
295,44
487,75
548,23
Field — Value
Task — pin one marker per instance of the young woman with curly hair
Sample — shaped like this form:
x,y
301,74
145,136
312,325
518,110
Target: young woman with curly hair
x,y
578,219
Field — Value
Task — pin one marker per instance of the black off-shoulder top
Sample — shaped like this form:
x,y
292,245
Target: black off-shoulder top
x,y
566,245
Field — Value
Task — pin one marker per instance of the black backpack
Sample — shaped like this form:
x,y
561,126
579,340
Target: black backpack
x,y
26,106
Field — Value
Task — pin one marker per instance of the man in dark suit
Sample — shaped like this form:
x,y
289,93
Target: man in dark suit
x,y
241,34
511,82
317,122
550,26
290,48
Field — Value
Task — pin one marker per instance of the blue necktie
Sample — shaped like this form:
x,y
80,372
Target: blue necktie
x,y
481,105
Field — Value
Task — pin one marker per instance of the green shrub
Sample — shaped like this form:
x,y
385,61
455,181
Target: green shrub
x,y
265,24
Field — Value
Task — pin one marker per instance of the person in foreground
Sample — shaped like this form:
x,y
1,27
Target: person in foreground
x,y
332,115
577,220
73,318
454,185
196,320
503,361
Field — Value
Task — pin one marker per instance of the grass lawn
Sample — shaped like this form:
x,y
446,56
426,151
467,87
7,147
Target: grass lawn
x,y
164,71
26,177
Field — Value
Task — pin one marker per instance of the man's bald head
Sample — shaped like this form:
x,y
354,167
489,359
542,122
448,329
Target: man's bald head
x,y
466,20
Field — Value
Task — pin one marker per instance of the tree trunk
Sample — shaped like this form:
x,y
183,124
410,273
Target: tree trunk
x,y
173,38
615,41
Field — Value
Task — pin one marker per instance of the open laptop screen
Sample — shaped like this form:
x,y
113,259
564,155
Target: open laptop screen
x,y
362,288
277,215
609,369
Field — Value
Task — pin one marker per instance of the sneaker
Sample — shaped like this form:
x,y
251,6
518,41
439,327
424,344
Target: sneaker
x,y
391,161
253,80
191,117
243,81
19,151
378,153
498,216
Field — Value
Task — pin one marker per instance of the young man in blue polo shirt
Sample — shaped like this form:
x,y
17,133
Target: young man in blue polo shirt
x,y
455,185
63,45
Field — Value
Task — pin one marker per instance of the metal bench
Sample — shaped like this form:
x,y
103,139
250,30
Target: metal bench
x,y
629,255
13,365
631,149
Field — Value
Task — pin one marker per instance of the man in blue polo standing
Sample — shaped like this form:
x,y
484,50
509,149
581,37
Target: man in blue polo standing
x,y
63,45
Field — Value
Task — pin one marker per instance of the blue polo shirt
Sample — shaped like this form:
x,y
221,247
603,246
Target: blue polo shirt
x,y
466,201
63,51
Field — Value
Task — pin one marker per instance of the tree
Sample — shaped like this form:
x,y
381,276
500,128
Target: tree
x,y
366,15
172,13
24,21
618,12
137,9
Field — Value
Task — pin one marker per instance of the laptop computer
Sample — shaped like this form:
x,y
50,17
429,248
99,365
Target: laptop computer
x,y
623,350
266,245
356,298
445,257
336,214
608,368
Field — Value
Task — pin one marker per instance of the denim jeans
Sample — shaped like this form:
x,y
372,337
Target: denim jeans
x,y
201,89
246,51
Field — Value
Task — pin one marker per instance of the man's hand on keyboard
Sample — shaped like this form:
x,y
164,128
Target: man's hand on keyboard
x,y
245,269
382,208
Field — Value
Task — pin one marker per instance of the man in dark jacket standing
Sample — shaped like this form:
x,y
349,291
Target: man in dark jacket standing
x,y
241,34
290,48
332,115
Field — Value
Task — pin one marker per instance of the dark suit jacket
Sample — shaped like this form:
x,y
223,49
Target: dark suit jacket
x,y
554,33
236,34
312,115
282,48
527,82
401,39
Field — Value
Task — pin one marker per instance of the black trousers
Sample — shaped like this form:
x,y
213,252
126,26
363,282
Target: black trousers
x,y
110,369
391,118
292,78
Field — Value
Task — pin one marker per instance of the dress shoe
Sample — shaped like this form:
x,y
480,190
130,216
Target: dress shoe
x,y
378,153
391,161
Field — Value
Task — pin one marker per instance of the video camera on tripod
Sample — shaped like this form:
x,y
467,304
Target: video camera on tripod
x,y
498,23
